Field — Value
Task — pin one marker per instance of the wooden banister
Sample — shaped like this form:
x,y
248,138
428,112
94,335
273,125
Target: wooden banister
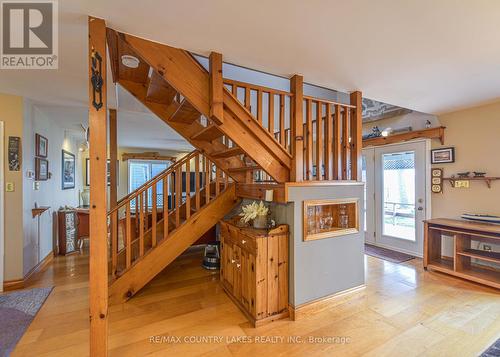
x,y
141,225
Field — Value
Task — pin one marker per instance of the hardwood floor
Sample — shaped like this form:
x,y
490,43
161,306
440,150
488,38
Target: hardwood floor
x,y
404,311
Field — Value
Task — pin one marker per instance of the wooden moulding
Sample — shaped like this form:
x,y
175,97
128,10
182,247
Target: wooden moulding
x,y
146,156
9,285
432,133
307,309
336,230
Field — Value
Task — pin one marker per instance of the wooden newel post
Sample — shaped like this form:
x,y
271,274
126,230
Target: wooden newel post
x,y
216,88
356,135
98,260
297,129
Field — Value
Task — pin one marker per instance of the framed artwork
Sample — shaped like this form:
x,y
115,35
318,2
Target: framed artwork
x,y
41,169
68,170
87,172
41,146
443,156
14,153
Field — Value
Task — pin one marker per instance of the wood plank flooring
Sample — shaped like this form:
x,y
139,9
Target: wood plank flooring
x,y
404,311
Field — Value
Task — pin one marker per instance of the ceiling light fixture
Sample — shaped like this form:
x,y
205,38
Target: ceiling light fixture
x,y
130,61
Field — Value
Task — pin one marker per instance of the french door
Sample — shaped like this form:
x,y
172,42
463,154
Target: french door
x,y
395,196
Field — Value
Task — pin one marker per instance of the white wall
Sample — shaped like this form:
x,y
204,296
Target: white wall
x,y
50,192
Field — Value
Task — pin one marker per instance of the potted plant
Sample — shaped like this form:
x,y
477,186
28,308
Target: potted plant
x,y
256,212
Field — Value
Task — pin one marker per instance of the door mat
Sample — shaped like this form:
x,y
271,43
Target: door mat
x,y
493,350
17,310
387,254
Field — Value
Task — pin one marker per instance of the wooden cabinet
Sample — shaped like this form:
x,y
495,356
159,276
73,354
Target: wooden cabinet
x,y
254,270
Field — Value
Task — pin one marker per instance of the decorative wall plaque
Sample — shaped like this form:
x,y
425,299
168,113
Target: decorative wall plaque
x,y
14,153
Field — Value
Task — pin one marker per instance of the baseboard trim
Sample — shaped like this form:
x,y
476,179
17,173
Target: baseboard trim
x,y
10,285
312,307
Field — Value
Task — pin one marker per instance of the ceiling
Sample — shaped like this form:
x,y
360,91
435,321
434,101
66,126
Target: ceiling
x,y
429,56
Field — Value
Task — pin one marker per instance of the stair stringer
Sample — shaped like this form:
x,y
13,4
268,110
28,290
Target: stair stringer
x,y
153,262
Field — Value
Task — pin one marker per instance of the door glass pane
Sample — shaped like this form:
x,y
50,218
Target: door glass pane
x,y
399,195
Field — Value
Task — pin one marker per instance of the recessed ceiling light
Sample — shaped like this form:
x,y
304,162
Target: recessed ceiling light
x,y
130,61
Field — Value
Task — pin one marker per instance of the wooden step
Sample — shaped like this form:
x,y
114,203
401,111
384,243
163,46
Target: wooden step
x,y
244,168
210,133
234,151
186,113
159,91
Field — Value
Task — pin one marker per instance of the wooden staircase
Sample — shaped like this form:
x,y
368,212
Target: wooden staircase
x,y
153,225
197,104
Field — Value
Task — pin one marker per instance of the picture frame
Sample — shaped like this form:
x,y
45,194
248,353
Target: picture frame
x,y
443,155
41,146
68,164
41,169
87,172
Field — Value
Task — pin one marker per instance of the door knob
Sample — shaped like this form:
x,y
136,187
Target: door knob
x,y
232,261
243,241
238,265
420,208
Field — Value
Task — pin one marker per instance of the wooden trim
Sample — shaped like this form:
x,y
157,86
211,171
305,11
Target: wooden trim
x,y
431,133
332,233
327,302
9,285
98,258
147,156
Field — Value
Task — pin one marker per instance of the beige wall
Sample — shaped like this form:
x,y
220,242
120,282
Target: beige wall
x,y
475,134
11,113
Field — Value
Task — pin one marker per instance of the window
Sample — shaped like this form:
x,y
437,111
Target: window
x,y
139,172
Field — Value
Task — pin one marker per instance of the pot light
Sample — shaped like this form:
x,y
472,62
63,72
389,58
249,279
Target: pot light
x,y
130,61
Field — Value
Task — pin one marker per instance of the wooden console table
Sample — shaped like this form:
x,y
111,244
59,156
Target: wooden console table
x,y
461,265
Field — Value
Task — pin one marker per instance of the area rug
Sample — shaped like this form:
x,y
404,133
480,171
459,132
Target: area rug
x,y
493,351
387,254
17,310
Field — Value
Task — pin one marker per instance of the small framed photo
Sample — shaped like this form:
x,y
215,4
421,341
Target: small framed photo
x,y
41,146
41,169
443,156
68,170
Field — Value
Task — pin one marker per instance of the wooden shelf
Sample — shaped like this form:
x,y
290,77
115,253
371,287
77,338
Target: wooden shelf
x,y
432,133
481,254
442,265
39,210
485,179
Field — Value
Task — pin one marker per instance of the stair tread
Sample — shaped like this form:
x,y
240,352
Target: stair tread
x,y
234,151
186,113
159,91
210,133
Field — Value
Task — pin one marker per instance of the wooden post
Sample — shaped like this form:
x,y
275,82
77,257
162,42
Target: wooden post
x,y
356,135
297,129
216,88
98,260
113,158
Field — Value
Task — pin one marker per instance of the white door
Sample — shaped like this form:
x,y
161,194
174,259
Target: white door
x,y
396,196
2,190
367,175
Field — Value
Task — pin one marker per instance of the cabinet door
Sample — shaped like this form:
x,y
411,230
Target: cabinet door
x,y
236,272
228,264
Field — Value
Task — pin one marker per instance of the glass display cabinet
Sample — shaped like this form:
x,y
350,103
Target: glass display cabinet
x,y
330,218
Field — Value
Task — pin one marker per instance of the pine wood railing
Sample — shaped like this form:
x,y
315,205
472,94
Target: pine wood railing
x,y
271,107
329,129
328,136
144,218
